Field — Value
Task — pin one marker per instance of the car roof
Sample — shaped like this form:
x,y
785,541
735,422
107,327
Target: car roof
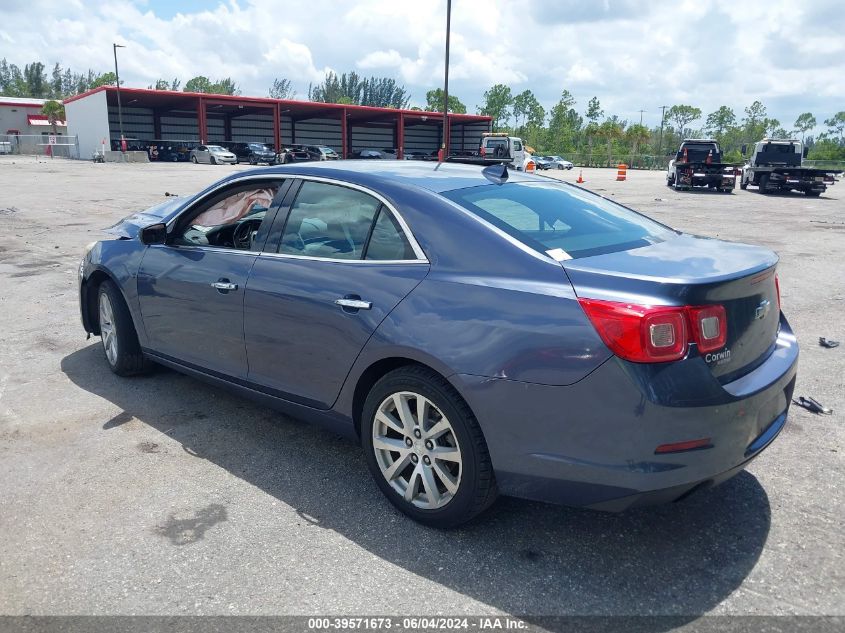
x,y
435,177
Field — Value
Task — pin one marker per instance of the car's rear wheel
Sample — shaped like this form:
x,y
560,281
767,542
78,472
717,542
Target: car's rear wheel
x,y
764,184
743,184
117,331
425,449
813,194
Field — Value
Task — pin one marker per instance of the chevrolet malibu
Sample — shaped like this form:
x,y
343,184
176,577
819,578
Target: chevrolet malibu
x,y
479,331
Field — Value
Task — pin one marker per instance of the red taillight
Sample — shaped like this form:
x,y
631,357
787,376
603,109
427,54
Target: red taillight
x,y
653,334
642,334
709,327
777,288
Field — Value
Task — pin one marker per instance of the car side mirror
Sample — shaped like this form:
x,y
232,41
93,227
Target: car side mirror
x,y
744,149
154,234
805,152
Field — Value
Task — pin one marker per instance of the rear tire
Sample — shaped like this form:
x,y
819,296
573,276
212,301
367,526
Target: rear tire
x,y
212,160
440,492
117,331
764,183
743,185
813,194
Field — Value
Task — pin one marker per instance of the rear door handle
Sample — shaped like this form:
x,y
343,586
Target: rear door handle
x,y
354,304
224,285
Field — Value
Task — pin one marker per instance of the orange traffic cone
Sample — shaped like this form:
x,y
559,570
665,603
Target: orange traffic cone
x,y
580,177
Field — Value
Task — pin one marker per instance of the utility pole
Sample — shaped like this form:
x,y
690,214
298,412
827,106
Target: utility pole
x,y
117,83
662,118
641,116
445,144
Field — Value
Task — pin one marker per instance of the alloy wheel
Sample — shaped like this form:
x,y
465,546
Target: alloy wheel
x,y
108,330
417,450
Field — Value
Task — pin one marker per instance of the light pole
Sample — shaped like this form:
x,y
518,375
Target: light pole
x,y
641,116
662,118
117,83
445,145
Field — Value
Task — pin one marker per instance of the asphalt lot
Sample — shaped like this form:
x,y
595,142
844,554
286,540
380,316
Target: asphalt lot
x,y
162,495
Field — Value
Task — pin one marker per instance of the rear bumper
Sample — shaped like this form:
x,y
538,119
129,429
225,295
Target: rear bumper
x,y
593,443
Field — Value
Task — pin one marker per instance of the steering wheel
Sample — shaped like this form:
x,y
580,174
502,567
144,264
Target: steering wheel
x,y
242,236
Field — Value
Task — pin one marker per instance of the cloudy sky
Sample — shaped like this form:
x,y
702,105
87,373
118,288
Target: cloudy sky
x,y
632,54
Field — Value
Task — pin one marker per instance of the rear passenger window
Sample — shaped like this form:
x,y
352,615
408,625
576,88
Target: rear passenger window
x,y
329,221
387,241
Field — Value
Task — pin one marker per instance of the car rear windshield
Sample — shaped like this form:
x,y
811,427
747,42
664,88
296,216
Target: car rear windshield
x,y
551,216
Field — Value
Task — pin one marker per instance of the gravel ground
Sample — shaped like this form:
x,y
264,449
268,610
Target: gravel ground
x,y
162,495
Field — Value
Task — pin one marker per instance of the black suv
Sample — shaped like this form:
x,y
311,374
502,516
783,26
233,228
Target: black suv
x,y
253,153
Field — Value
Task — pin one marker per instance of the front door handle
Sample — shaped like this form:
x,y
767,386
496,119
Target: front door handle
x,y
224,286
354,304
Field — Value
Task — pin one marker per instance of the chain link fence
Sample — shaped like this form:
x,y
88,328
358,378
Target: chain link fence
x,y
48,145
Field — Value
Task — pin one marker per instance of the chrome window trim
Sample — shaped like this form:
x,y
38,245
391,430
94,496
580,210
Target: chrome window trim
x,y
209,249
338,260
418,251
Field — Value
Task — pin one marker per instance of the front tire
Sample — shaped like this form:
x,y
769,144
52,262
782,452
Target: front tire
x,y
194,160
117,331
425,448
212,160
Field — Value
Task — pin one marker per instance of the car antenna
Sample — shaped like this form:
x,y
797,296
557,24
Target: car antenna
x,y
497,174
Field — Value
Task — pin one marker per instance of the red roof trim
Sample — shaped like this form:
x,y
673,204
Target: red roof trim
x,y
19,104
269,102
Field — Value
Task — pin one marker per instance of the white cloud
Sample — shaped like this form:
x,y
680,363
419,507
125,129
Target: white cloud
x,y
630,54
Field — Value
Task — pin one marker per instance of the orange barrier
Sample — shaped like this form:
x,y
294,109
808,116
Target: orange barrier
x,y
621,171
530,167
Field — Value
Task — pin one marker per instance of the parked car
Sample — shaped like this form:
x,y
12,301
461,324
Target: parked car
x,y
253,153
559,163
480,331
213,154
371,154
293,154
543,162
321,152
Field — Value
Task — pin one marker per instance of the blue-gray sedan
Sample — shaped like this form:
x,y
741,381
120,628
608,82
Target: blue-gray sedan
x,y
479,331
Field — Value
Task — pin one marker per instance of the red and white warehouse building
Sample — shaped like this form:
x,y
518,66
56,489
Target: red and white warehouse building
x,y
164,115
22,116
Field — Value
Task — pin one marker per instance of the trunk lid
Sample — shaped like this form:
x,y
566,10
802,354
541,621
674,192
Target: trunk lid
x,y
697,271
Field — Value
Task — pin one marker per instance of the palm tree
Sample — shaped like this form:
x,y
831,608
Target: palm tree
x,y
54,111
637,135
610,130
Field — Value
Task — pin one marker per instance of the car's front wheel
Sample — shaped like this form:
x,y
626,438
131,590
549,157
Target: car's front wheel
x,y
117,332
425,448
194,160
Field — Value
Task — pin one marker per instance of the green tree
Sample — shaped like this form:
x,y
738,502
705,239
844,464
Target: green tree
x,y
56,83
682,115
106,79
54,111
836,123
384,92
720,121
754,123
594,113
163,84
497,103
804,123
282,89
334,87
564,124
637,135
526,107
36,80
204,85
434,102
610,131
